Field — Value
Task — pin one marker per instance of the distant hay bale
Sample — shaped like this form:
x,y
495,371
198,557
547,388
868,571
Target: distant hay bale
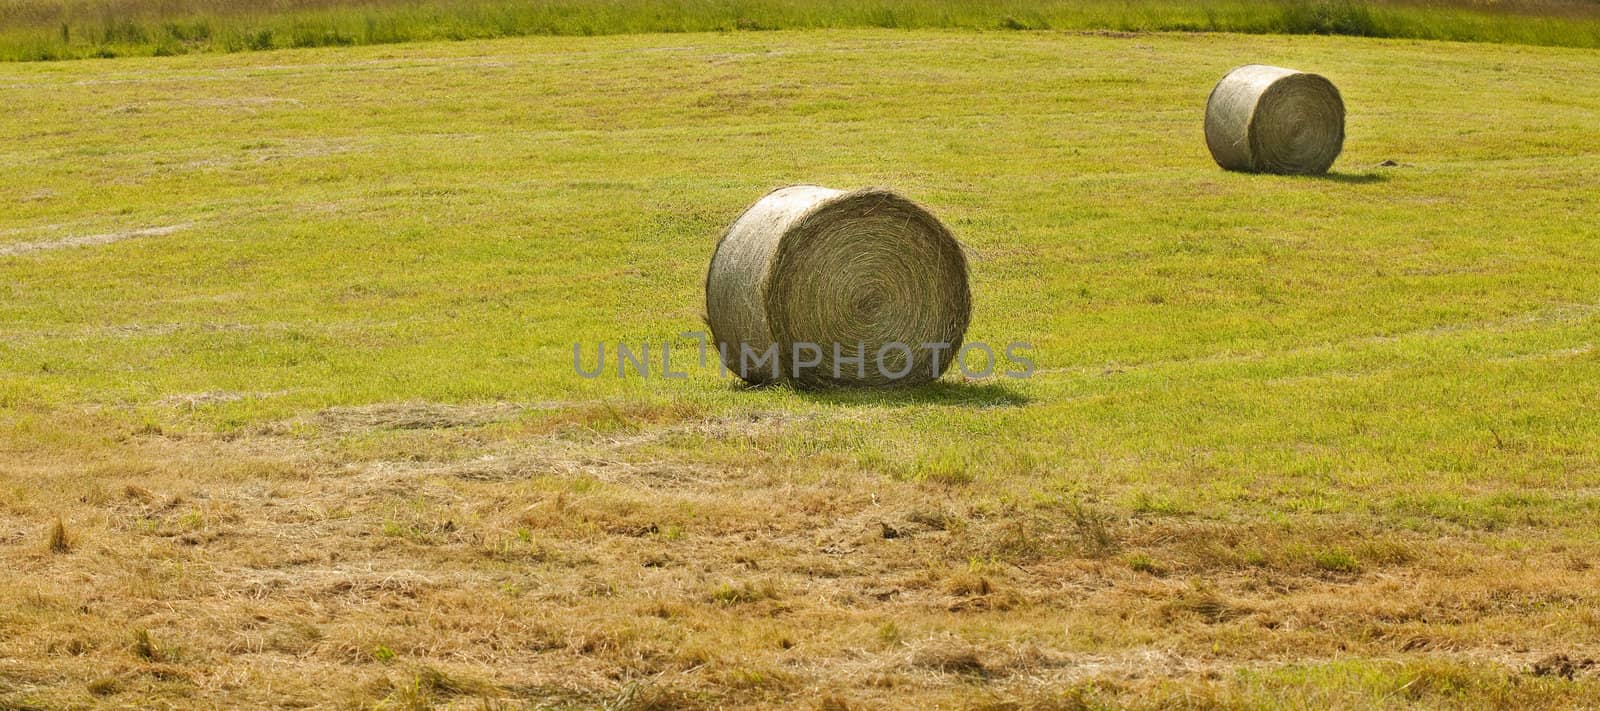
x,y
1263,119
852,273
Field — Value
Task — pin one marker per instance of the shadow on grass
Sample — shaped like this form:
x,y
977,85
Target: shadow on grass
x,y
1351,178
974,395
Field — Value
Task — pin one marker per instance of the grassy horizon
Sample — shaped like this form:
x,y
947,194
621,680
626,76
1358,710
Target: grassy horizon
x,y
42,30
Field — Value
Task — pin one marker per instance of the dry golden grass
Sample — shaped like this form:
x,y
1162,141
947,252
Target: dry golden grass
x,y
501,556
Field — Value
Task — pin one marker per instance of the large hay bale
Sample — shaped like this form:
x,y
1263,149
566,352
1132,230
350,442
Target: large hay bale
x,y
851,273
1263,119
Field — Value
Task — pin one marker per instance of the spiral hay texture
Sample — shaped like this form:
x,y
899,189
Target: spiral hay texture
x,y
1263,119
852,273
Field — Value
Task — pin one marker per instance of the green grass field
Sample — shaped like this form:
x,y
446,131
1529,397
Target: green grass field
x,y
288,414
71,29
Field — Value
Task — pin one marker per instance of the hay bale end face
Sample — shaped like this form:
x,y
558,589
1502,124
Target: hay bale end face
x,y
850,273
1262,119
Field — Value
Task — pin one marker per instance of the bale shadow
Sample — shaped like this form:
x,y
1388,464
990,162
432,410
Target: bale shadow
x,y
941,392
1350,178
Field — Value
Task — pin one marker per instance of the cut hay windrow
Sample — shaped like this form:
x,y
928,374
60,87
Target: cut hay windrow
x,y
848,289
1263,119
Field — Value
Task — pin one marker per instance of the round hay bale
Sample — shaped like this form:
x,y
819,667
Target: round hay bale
x,y
851,273
1263,119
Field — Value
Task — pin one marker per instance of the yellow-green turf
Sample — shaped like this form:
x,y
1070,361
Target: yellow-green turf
x,y
1405,345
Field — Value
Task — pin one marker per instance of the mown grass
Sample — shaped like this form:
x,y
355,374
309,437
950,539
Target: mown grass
x,y
68,29
288,413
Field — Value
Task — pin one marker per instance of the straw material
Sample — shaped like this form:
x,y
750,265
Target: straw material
x,y
856,271
1263,119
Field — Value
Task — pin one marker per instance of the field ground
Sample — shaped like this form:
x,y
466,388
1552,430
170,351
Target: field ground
x,y
288,416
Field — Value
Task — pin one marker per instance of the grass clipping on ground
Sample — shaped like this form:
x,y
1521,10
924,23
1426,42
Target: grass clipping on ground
x,y
1264,119
847,288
